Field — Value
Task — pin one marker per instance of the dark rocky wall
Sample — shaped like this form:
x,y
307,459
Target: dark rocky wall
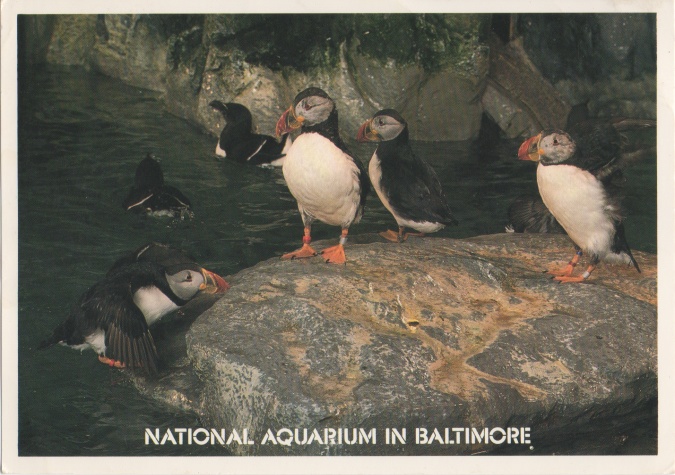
x,y
443,72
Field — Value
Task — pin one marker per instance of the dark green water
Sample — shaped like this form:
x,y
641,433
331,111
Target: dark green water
x,y
81,136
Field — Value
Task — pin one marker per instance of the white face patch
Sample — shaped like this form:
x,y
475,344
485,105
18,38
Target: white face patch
x,y
387,127
557,147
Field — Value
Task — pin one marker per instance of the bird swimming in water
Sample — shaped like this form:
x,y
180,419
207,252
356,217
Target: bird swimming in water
x,y
151,196
238,142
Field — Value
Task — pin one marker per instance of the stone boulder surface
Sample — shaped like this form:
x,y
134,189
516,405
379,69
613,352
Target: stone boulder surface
x,y
430,334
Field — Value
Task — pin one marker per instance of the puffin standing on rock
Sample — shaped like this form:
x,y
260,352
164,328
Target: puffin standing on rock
x,y
574,178
238,142
407,185
113,317
327,181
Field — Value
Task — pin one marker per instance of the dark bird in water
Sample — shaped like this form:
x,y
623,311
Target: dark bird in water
x,y
151,196
574,176
407,185
114,316
327,181
238,142
529,214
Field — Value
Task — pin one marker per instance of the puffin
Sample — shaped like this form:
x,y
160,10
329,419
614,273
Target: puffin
x,y
151,196
238,142
529,214
113,316
574,176
328,182
407,185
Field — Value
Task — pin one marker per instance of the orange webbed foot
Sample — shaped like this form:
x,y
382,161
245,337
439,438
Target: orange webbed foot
x,y
390,235
563,279
304,252
111,363
566,272
335,254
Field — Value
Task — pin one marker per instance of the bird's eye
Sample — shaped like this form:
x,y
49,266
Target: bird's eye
x,y
380,122
307,106
555,142
188,277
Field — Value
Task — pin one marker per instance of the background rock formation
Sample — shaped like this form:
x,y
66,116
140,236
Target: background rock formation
x,y
443,72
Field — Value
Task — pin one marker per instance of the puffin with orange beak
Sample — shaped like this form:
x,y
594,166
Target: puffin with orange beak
x,y
407,185
327,181
114,316
574,177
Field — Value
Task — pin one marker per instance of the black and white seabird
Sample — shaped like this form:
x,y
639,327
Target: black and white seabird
x,y
529,214
574,177
113,317
151,196
238,142
327,181
407,185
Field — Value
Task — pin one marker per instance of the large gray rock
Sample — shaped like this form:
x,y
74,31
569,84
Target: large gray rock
x,y
432,333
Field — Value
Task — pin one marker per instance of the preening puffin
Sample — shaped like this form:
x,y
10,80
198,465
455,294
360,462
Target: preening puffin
x,y
113,317
574,178
529,214
327,181
407,186
238,142
150,195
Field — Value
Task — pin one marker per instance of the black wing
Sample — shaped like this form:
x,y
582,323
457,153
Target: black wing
x,y
415,192
169,197
162,254
598,147
268,151
529,214
109,305
136,198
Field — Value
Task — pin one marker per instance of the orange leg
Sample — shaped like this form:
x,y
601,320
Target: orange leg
x,y
305,251
336,254
405,236
567,271
111,363
580,278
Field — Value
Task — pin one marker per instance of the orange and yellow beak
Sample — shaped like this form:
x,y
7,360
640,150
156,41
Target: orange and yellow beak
x,y
213,283
288,122
367,133
529,150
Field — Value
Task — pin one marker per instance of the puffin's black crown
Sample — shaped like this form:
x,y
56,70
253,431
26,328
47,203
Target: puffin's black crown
x,y
311,91
393,113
